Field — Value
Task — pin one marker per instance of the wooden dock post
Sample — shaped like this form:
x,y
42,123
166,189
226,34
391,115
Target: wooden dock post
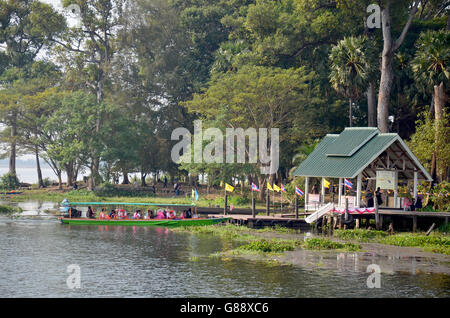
x,y
296,207
414,223
268,203
330,225
377,216
346,213
253,208
225,209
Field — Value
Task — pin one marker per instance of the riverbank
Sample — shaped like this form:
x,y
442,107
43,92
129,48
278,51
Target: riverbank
x,y
54,194
280,246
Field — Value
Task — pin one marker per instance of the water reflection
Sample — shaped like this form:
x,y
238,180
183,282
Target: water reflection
x,y
157,262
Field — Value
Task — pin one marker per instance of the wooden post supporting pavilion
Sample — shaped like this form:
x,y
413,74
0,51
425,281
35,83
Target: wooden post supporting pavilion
x,y
340,193
358,190
306,193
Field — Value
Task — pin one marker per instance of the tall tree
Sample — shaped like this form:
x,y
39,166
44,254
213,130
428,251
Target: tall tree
x,y
390,46
86,51
25,29
431,66
351,69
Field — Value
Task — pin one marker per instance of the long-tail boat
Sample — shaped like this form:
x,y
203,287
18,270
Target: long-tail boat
x,y
67,208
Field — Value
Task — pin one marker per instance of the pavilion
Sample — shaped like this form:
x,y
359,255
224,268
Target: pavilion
x,y
363,153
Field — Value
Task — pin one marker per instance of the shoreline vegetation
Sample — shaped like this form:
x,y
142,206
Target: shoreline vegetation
x,y
269,241
83,195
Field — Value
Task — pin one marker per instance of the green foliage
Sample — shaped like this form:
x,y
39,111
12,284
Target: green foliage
x,y
6,209
234,199
431,63
434,243
9,181
360,235
326,244
352,66
269,246
431,136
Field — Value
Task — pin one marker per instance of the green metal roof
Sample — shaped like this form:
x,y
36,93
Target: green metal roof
x,y
350,140
360,147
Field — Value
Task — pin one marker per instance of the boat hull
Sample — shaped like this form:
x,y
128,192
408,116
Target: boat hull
x,y
153,222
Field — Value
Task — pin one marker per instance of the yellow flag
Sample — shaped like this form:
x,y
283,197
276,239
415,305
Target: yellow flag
x,y
276,188
228,188
269,187
326,183
221,184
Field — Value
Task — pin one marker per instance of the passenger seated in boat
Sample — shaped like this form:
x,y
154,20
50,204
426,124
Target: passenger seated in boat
x,y
188,214
160,215
137,215
171,214
112,214
90,214
102,214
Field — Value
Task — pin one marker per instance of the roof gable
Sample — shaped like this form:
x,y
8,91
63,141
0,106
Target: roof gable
x,y
350,141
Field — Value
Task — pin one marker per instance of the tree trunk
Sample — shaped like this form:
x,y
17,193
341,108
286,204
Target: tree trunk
x,y
261,194
59,181
38,167
350,113
69,172
125,178
387,76
12,152
439,104
143,176
371,106
387,58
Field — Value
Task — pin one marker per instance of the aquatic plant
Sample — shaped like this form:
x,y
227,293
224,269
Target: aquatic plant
x,y
6,209
360,234
326,244
269,246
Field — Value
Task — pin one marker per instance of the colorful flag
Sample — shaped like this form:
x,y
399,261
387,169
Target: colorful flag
x,y
221,184
348,184
255,187
276,188
326,183
269,187
283,189
298,191
196,195
228,188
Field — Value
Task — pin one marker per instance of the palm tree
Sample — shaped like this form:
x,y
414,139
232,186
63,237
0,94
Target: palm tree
x,y
431,72
351,69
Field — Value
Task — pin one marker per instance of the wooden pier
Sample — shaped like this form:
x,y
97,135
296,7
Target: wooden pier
x,y
260,221
389,219
392,219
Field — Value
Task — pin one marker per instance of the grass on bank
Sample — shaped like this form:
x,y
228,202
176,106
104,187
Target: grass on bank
x,y
255,244
83,195
436,242
8,210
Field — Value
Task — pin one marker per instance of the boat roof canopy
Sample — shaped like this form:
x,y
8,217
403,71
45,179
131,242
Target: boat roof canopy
x,y
130,204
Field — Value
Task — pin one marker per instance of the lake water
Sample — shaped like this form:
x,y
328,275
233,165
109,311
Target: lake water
x,y
36,250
